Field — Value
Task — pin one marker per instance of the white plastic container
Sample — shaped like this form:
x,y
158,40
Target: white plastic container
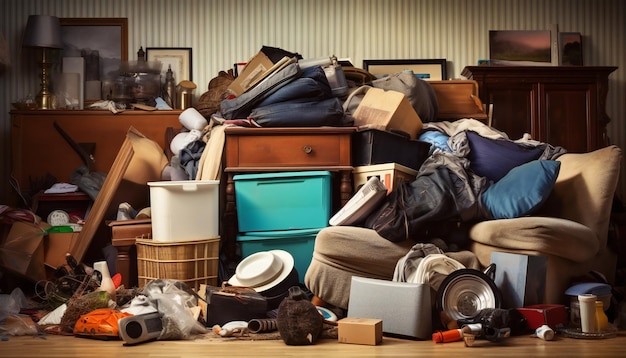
x,y
184,210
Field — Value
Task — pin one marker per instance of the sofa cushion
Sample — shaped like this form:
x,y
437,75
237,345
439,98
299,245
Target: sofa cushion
x,y
537,234
522,190
493,158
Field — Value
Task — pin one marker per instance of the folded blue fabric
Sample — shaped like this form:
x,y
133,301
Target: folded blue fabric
x,y
437,140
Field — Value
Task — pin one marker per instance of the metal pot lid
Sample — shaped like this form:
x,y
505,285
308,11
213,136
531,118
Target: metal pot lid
x,y
465,292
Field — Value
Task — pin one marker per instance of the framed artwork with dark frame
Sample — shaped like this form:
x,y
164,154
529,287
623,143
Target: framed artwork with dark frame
x,y
105,37
520,47
178,58
427,69
570,48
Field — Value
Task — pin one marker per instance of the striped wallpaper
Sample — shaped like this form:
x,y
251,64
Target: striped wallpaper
x,y
222,32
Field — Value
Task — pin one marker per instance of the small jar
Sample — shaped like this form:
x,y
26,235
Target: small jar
x,y
184,92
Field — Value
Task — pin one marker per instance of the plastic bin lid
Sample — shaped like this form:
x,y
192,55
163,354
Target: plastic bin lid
x,y
279,233
316,173
594,288
177,183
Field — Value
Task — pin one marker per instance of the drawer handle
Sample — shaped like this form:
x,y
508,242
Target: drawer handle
x,y
307,149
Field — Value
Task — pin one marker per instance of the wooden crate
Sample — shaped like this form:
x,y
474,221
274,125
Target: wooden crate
x,y
192,262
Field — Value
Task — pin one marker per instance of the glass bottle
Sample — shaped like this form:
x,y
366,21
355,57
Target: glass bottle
x,y
141,54
169,89
602,321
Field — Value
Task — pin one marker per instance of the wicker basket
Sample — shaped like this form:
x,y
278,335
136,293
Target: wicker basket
x,y
192,262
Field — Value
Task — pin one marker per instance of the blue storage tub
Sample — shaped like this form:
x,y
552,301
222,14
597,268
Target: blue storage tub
x,y
299,243
283,201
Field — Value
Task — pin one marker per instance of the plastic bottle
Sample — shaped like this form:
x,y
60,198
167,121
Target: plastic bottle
x,y
602,321
106,284
587,313
545,332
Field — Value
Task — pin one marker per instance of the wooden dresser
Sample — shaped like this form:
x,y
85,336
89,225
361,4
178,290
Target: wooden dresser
x,y
559,105
38,148
249,150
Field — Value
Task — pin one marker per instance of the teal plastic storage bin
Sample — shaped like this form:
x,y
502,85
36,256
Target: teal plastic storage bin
x,y
283,201
299,243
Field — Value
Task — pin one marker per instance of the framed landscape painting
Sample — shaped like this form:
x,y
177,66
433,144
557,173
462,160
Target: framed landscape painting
x,y
520,47
427,69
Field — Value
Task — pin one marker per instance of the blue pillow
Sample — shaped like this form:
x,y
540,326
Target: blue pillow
x,y
436,139
522,190
493,158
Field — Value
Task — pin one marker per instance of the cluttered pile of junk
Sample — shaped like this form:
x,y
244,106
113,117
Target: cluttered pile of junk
x,y
264,297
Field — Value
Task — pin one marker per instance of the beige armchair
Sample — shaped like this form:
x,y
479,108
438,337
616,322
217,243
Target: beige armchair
x,y
571,228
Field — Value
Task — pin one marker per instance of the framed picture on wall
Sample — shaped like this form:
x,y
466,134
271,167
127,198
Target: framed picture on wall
x,y
178,58
427,69
570,48
520,47
104,39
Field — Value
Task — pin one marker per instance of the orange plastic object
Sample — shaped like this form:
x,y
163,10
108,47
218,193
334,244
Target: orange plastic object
x,y
117,280
452,335
99,323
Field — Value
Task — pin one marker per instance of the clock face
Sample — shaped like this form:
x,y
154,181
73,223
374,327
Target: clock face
x,y
58,218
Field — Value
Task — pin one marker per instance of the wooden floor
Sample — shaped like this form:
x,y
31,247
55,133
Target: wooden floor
x,y
69,346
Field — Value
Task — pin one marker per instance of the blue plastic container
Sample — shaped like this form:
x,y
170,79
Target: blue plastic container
x,y
299,243
283,201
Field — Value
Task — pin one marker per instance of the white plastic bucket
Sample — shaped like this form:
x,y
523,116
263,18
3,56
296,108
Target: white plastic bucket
x,y
184,210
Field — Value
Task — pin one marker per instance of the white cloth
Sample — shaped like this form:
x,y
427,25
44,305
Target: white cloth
x,y
59,188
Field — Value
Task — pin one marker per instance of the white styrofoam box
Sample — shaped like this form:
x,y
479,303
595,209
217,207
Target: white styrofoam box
x,y
387,300
184,210
521,279
390,174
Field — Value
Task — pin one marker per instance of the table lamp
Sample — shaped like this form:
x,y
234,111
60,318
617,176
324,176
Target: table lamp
x,y
43,31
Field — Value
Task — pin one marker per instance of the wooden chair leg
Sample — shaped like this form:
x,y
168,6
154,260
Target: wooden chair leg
x,y
318,302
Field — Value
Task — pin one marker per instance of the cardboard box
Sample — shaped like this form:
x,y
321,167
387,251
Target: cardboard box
x,y
360,331
521,279
387,110
22,251
56,245
554,315
390,174
255,70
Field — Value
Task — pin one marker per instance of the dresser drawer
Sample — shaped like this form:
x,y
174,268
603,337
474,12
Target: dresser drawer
x,y
313,147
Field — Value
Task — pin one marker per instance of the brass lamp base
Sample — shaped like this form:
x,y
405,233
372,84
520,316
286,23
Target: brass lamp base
x,y
45,101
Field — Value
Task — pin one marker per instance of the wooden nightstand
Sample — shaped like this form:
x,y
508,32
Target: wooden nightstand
x,y
250,150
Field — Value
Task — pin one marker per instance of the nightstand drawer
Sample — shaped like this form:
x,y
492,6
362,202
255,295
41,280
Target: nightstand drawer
x,y
288,148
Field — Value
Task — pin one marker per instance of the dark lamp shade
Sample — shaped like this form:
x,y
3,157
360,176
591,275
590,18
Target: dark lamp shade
x,y
43,31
